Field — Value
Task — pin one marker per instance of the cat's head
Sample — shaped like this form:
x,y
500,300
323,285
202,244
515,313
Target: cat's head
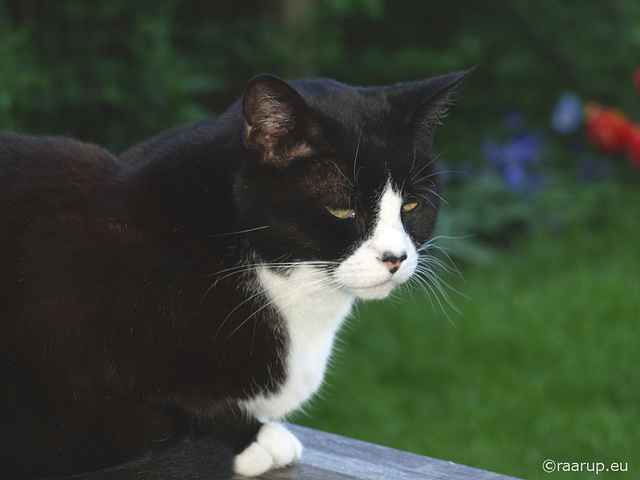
x,y
342,176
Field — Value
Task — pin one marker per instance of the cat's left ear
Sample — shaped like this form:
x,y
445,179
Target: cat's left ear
x,y
277,123
438,94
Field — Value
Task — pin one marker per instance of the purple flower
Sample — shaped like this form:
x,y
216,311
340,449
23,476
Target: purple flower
x,y
512,160
514,177
567,114
524,149
493,152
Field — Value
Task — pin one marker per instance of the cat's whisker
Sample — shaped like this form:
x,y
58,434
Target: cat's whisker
x,y
432,244
262,307
239,232
428,277
440,284
243,268
238,270
432,240
429,164
342,174
448,266
448,172
425,178
451,267
229,315
227,272
430,268
429,294
415,156
420,195
355,160
432,287
432,192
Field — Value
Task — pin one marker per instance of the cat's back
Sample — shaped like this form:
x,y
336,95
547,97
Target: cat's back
x,y
39,174
44,181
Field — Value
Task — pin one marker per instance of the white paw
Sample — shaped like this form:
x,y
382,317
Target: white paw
x,y
275,447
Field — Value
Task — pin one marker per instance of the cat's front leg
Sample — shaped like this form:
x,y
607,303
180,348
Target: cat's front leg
x,y
274,447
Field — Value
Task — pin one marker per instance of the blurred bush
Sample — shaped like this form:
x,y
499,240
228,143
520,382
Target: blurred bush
x,y
116,70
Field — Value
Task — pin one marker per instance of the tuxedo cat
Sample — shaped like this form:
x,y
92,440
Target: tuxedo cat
x,y
161,310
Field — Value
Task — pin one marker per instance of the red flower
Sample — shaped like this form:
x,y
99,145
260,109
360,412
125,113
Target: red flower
x,y
633,146
607,128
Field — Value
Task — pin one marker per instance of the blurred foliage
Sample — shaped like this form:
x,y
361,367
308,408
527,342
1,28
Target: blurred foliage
x,y
116,71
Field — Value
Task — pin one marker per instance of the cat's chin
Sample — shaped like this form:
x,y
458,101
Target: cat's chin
x,y
376,292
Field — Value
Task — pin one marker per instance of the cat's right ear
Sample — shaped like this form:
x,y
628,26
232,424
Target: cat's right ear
x,y
438,94
277,123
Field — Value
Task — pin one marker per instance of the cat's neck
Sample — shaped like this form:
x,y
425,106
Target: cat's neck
x,y
306,292
312,308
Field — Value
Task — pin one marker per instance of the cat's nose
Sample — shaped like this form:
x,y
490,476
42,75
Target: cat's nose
x,y
393,262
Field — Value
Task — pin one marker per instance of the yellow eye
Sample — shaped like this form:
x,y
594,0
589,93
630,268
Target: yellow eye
x,y
407,207
342,212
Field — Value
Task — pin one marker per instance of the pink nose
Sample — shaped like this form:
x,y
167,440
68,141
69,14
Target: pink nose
x,y
392,262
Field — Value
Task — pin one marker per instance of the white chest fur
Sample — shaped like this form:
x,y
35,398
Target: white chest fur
x,y
313,308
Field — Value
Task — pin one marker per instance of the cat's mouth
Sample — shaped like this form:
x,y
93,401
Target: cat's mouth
x,y
370,282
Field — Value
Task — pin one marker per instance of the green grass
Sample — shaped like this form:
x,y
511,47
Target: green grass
x,y
543,363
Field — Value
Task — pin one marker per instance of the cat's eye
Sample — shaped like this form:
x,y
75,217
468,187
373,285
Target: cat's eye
x,y
341,212
407,207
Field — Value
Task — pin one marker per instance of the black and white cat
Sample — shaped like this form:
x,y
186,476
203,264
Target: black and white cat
x,y
160,311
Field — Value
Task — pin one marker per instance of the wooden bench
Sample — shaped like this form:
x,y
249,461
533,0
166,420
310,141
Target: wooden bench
x,y
331,457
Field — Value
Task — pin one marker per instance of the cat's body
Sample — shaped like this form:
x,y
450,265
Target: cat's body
x,y
190,290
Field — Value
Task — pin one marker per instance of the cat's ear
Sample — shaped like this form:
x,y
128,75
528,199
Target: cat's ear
x,y
438,94
277,122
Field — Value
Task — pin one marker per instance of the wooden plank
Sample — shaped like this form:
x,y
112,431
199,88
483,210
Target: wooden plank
x,y
328,456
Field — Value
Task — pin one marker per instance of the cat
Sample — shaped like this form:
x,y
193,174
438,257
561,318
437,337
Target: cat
x,y
162,309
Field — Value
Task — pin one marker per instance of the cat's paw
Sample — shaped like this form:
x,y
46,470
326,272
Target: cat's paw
x,y
274,447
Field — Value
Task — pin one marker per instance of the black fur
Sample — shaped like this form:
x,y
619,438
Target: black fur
x,y
124,344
